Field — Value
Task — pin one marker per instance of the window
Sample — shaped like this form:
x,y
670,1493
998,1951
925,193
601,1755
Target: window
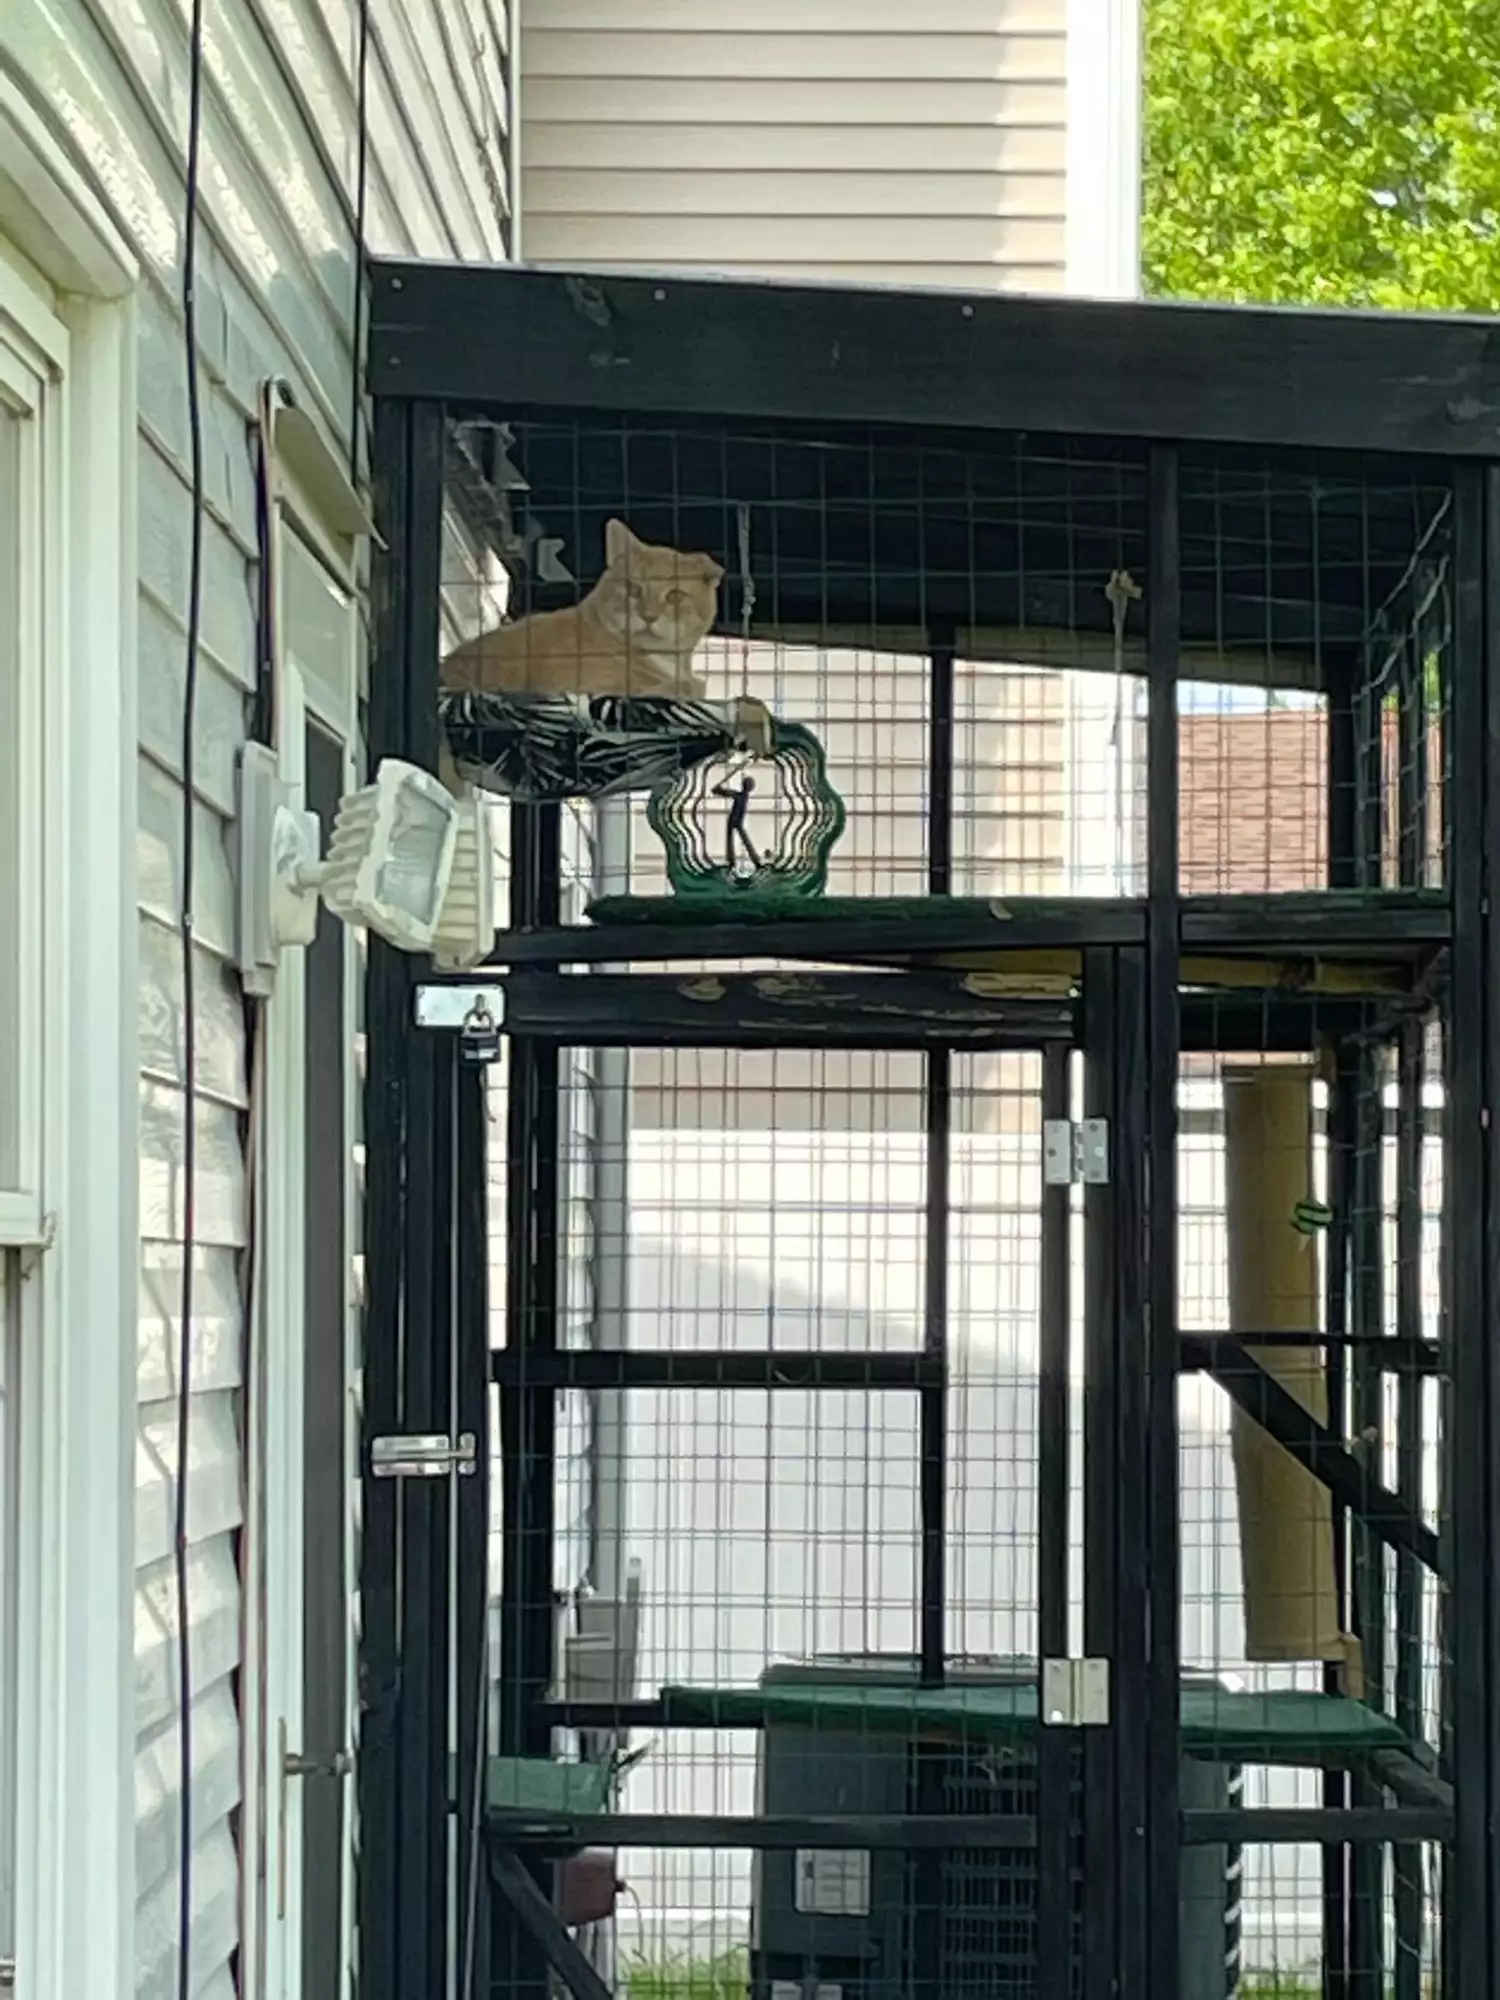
x,y
33,353
33,348
68,1063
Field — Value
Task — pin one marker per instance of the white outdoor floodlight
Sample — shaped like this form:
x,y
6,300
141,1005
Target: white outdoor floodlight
x,y
406,860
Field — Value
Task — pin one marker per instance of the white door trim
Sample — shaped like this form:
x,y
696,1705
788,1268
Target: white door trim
x,y
76,1792
277,1396
283,1332
1103,236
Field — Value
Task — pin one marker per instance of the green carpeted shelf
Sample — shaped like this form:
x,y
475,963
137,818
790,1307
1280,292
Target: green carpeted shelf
x,y
1284,1727
544,1786
765,906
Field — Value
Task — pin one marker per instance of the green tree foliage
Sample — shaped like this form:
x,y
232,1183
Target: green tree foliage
x,y
1324,152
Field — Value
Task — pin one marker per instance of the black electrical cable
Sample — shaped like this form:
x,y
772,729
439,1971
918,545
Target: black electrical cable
x,y
189,1003
361,198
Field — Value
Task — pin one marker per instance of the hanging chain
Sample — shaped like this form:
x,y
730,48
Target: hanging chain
x,y
747,593
1122,590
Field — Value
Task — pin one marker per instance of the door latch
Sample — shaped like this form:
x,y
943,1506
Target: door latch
x,y
431,1455
337,1764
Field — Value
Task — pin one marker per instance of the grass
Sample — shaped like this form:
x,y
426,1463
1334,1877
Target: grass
x,y
1298,1986
727,1977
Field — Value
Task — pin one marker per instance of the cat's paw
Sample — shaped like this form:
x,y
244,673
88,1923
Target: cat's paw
x,y
754,724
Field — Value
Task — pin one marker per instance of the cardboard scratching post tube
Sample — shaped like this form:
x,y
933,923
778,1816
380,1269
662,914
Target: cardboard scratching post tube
x,y
1286,1516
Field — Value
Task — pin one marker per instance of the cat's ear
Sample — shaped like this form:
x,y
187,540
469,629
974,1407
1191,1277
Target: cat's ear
x,y
618,543
713,572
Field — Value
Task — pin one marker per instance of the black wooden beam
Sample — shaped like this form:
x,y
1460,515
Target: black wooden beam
x,y
388,1003
1306,930
901,1832
829,929
876,1010
646,1368
1313,1445
1323,926
801,1368
830,353
1394,1355
1316,1825
546,1929
1471,1241
1163,1038
1106,1249
1055,1748
1410,1781
938,1832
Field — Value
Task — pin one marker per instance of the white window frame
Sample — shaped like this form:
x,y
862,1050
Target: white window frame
x,y
314,510
68,281
34,362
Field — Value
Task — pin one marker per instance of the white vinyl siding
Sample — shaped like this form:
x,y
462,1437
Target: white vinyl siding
x,y
276,290
800,139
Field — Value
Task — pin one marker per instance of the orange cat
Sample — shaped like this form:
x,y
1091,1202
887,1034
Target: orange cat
x,y
634,633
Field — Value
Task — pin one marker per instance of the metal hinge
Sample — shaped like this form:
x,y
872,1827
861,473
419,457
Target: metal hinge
x,y
432,1456
7,1975
1075,1152
1075,1694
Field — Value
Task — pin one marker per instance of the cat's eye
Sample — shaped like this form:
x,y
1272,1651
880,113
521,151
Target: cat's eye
x,y
677,597
633,590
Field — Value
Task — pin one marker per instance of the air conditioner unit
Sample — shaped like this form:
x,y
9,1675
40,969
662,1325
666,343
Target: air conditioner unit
x,y
840,1925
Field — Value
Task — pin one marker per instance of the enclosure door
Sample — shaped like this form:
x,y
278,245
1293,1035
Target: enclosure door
x,y
874,1227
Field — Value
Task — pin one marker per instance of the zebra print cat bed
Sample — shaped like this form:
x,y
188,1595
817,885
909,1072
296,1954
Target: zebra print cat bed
x,y
542,748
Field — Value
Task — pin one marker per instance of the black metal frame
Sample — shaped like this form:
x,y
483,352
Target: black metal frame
x,y
528,1413
677,348
932,1398
404,1578
694,351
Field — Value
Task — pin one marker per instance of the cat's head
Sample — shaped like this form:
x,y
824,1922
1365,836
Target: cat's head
x,y
654,597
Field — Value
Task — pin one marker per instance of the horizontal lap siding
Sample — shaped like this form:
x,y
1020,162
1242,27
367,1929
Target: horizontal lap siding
x,y
275,296
920,147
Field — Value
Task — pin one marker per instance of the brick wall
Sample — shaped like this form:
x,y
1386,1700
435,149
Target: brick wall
x,y
1254,800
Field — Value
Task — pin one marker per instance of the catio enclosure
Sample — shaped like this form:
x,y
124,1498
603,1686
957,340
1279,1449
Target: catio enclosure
x,y
968,1268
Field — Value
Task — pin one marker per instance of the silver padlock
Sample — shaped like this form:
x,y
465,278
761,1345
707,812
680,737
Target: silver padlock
x,y
479,1036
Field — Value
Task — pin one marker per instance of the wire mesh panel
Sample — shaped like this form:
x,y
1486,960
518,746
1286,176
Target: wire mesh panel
x,y
782,1199
993,1283
1287,1585
1310,1251
1318,765
784,1525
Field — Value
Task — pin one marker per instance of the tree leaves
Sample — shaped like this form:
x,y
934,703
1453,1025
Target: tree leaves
x,y
1324,152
